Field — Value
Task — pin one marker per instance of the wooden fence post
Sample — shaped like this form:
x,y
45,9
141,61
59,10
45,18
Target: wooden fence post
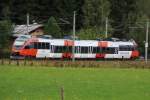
x,y
17,62
31,64
62,93
2,61
9,62
25,62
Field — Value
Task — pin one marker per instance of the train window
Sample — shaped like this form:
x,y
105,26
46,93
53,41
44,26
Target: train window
x,y
124,48
58,49
108,50
64,49
116,51
18,47
103,50
41,45
113,50
77,49
94,50
47,45
29,46
35,45
52,48
70,49
84,49
90,49
99,50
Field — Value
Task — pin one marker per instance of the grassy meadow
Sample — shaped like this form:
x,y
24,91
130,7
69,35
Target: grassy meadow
x,y
44,83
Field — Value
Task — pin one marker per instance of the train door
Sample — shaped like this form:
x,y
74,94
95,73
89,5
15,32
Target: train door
x,y
43,50
90,50
77,52
84,52
116,55
51,51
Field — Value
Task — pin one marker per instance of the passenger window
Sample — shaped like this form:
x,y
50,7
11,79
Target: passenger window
x,y
108,50
84,49
43,45
125,48
39,45
94,49
77,49
70,49
47,46
35,45
58,49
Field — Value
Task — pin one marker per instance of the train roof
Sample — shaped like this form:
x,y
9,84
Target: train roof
x,y
43,39
86,42
116,43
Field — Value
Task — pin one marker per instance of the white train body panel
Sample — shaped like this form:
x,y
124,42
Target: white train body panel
x,y
86,43
42,53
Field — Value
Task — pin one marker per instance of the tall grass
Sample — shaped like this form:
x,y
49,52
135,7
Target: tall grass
x,y
78,63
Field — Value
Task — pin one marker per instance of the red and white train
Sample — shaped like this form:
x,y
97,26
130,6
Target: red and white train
x,y
35,47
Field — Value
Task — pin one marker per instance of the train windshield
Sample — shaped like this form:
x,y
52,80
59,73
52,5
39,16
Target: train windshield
x,y
17,47
19,42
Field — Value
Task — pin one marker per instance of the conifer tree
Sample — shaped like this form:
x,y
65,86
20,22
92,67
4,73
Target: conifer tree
x,y
52,28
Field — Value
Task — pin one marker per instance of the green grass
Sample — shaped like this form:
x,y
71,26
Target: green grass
x,y
43,83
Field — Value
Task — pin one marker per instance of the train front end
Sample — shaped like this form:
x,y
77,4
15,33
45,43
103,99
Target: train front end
x,y
18,46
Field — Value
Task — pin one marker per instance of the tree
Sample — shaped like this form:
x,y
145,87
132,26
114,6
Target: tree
x,y
123,13
52,28
138,32
90,33
95,12
5,32
144,7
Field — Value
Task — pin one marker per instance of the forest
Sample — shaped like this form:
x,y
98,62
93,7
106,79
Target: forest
x,y
126,18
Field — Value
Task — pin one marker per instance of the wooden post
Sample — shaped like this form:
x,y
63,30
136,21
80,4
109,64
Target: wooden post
x,y
17,62
62,93
31,64
9,62
2,62
25,62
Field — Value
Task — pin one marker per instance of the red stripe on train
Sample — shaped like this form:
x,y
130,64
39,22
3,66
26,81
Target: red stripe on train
x,y
103,44
67,55
100,55
28,52
135,54
68,43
